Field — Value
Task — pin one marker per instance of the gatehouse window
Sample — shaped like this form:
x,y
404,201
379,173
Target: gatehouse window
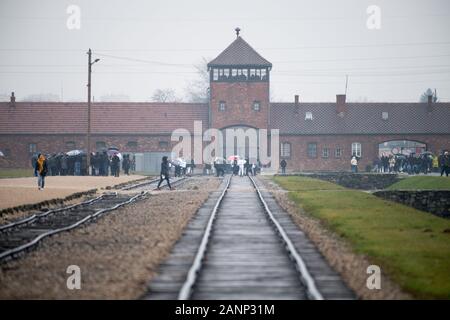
x,y
384,115
308,116
325,153
215,74
256,105
338,152
263,74
32,147
222,106
312,150
356,149
285,150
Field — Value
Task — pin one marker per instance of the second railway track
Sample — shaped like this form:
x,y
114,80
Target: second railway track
x,y
21,235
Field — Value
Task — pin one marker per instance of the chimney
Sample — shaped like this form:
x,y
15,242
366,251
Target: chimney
x,y
296,110
430,103
12,100
340,104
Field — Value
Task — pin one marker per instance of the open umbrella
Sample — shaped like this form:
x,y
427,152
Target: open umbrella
x,y
234,157
112,153
74,152
2,154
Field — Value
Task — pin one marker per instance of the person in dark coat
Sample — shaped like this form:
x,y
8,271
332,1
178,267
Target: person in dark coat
x,y
105,163
41,170
164,175
283,165
115,165
192,166
64,165
126,164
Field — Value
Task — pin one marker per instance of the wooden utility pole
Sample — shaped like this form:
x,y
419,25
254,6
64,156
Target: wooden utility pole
x,y
88,144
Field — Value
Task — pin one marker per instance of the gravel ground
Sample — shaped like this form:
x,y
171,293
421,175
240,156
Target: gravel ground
x,y
117,255
19,191
337,252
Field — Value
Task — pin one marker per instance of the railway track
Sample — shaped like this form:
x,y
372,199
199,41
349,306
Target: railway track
x,y
243,250
21,235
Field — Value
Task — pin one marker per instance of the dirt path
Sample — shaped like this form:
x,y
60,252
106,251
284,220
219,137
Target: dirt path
x,y
19,191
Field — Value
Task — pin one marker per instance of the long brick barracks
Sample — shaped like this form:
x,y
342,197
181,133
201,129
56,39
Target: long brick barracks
x,y
313,136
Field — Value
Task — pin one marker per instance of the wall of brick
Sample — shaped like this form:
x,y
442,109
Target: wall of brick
x,y
19,156
239,98
299,160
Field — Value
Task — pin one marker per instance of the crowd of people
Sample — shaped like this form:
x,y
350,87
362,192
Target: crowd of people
x,y
237,166
413,164
101,164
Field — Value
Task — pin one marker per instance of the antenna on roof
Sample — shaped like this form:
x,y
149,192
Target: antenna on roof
x,y
237,31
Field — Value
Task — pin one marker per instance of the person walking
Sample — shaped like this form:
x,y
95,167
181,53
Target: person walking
x,y
391,164
241,164
354,164
126,164
444,161
115,165
164,175
192,167
283,165
41,170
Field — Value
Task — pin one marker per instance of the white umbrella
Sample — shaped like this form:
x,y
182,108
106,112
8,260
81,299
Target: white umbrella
x,y
118,154
74,152
2,154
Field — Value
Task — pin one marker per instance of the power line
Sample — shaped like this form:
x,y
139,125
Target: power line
x,y
219,50
144,61
364,59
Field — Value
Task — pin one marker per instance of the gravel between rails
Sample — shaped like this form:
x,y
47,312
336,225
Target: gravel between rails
x,y
351,266
117,255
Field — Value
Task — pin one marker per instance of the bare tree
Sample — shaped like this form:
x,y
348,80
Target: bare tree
x,y
197,90
164,95
428,92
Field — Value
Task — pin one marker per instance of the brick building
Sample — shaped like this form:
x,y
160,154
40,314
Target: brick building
x,y
313,136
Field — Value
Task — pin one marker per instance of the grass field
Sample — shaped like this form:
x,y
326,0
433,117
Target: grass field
x,y
422,183
413,247
16,173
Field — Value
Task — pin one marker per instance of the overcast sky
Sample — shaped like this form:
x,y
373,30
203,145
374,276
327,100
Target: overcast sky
x,y
312,45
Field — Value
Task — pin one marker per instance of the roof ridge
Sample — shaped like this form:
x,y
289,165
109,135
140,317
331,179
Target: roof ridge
x,y
239,52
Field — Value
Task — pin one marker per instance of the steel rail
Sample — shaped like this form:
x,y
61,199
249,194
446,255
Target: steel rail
x,y
46,213
186,290
133,186
36,240
9,253
305,276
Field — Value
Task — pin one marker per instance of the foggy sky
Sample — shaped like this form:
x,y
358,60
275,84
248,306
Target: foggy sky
x,y
312,45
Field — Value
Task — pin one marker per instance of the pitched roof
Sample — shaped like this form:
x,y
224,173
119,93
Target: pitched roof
x,y
361,118
107,118
239,53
